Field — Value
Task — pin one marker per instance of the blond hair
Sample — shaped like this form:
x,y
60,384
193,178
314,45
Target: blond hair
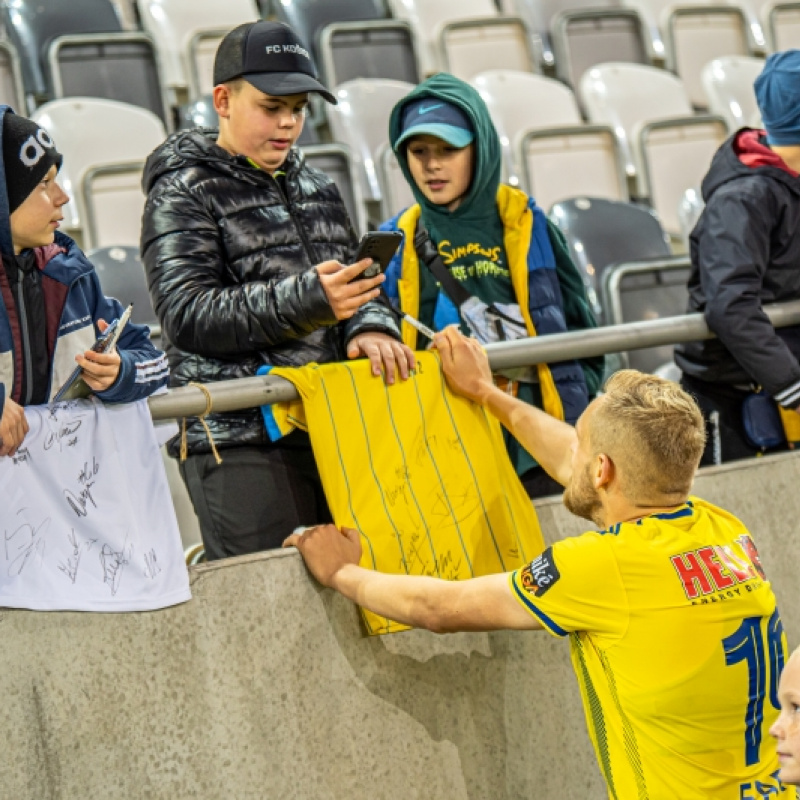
x,y
653,431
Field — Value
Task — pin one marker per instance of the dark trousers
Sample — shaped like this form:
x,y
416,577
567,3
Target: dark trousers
x,y
256,497
722,410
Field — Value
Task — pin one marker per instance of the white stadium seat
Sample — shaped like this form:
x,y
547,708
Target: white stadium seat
x,y
105,144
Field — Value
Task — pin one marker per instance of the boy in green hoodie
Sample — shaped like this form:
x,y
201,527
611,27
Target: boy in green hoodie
x,y
507,270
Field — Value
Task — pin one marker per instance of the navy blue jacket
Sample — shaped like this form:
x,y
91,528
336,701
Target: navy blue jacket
x,y
73,305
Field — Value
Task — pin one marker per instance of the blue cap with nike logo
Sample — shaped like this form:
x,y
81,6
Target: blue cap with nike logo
x,y
432,116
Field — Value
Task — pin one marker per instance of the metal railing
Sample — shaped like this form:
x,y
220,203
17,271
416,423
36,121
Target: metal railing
x,y
189,401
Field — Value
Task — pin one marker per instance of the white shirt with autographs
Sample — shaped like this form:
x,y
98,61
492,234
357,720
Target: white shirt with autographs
x,y
86,516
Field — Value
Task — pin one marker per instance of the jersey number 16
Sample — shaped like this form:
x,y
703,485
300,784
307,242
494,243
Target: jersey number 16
x,y
747,644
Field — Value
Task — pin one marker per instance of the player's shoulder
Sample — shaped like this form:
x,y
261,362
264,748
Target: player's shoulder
x,y
584,546
695,514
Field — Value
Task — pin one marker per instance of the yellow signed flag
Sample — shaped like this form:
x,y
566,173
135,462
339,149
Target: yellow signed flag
x,y
421,473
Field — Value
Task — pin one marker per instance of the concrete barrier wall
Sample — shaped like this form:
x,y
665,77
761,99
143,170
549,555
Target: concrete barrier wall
x,y
264,687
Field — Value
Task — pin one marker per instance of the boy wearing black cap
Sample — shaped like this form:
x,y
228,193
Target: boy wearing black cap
x,y
482,255
244,244
51,305
745,252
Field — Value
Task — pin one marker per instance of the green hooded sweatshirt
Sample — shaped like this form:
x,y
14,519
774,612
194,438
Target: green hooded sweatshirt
x,y
470,239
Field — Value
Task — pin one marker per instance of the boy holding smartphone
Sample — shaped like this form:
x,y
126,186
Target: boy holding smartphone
x,y
51,303
244,247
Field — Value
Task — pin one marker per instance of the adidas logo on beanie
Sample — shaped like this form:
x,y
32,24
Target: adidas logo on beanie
x,y
28,154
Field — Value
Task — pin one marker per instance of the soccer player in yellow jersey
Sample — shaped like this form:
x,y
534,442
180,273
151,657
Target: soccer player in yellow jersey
x,y
675,636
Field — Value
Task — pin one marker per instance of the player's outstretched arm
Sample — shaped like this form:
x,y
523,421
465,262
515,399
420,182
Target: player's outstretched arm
x,y
480,604
466,368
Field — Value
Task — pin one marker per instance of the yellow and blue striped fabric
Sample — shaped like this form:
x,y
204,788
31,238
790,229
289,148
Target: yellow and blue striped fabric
x,y
421,473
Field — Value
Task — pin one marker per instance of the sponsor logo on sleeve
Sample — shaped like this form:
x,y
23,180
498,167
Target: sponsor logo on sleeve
x,y
541,574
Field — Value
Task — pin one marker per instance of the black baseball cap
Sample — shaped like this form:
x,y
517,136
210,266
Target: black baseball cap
x,y
271,57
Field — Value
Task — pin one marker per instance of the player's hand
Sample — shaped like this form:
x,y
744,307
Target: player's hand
x,y
100,370
13,427
346,298
326,550
465,364
384,352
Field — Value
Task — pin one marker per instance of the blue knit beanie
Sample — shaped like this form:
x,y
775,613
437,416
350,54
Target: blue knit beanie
x,y
778,96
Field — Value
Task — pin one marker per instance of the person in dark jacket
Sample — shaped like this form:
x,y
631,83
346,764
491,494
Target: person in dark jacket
x,y
243,244
497,246
52,308
745,252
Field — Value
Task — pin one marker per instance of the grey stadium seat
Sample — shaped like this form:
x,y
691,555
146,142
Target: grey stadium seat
x,y
335,161
79,48
642,291
601,233
122,276
352,39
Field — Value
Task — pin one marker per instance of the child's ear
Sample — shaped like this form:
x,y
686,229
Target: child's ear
x,y
221,97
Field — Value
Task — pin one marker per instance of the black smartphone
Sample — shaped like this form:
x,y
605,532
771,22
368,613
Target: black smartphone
x,y
380,246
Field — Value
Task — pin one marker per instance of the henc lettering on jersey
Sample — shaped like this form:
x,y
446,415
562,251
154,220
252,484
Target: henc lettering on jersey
x,y
718,569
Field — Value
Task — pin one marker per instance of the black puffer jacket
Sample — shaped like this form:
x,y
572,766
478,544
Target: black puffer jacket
x,y
229,259
745,253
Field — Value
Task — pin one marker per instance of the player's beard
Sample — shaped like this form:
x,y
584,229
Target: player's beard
x,y
582,499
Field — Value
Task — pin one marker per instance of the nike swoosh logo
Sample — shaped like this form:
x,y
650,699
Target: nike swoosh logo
x,y
423,110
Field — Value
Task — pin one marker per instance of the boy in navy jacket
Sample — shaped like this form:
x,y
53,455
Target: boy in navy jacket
x,y
52,308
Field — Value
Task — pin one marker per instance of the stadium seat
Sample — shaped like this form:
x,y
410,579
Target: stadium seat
x,y
584,38
396,194
124,68
105,144
689,210
538,16
352,39
548,149
361,121
547,104
12,91
466,48
696,35
666,147
79,47
379,49
32,26
781,22
601,233
465,37
642,291
336,162
757,30
672,39
728,84
122,276
308,18
519,101
187,35
561,163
